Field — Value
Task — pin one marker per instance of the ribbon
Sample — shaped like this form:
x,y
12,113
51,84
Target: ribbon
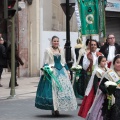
x,y
77,74
77,15
109,97
118,82
47,72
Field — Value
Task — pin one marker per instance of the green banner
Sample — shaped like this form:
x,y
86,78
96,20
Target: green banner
x,y
89,15
102,28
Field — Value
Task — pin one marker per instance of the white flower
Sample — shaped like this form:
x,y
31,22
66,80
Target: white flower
x,y
51,69
77,77
48,67
73,67
78,67
108,83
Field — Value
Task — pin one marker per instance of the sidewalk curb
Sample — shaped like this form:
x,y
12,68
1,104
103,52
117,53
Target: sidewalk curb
x,y
26,89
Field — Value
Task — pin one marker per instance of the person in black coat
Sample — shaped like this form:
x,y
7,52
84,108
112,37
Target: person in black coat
x,y
3,57
18,62
110,48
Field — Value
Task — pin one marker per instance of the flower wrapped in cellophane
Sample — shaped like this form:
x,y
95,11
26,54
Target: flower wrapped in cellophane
x,y
77,70
48,75
111,86
47,69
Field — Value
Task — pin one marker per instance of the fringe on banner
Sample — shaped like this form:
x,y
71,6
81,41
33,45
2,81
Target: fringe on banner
x,y
77,15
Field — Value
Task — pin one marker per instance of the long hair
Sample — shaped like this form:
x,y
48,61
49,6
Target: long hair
x,y
79,41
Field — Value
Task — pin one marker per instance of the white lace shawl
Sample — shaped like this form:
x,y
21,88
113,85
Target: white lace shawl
x,y
49,59
97,71
82,51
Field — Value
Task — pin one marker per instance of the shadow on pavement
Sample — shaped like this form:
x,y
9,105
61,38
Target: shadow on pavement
x,y
51,116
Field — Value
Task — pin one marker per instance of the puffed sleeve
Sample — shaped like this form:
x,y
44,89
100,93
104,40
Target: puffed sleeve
x,y
63,59
95,83
81,53
46,58
102,86
86,62
72,56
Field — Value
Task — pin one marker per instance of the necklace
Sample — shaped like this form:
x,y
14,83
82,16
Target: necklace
x,y
55,48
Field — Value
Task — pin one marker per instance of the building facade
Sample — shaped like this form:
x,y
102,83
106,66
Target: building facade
x,y
46,16
41,15
50,17
113,18
29,37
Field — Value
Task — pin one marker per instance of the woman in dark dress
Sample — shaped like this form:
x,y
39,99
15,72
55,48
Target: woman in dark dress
x,y
78,47
75,81
81,83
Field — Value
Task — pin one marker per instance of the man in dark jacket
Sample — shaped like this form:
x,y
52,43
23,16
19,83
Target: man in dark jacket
x,y
3,57
110,48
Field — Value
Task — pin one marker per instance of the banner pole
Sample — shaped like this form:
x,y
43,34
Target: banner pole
x,y
104,24
90,42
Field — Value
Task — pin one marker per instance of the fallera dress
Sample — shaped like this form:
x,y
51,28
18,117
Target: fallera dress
x,y
78,85
99,109
90,91
49,96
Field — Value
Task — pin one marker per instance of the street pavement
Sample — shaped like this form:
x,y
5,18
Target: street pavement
x,y
21,107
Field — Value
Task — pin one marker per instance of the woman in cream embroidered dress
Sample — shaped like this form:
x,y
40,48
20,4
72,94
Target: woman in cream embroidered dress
x,y
49,96
99,109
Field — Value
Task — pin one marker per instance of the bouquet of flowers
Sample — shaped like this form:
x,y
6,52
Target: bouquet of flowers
x,y
77,70
111,86
47,69
48,74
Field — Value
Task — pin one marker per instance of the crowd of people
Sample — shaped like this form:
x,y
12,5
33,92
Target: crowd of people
x,y
98,82
99,65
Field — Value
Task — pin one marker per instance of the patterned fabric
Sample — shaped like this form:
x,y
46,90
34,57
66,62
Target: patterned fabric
x,y
95,112
99,109
50,97
115,110
78,87
63,100
44,95
86,104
